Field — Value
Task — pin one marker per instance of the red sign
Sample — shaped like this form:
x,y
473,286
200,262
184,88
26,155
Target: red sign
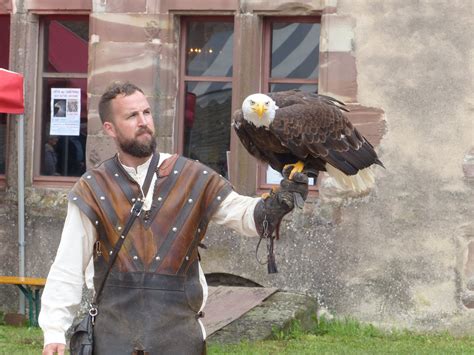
x,y
11,92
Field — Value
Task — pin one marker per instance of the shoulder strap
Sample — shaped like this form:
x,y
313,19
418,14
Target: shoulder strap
x,y
134,213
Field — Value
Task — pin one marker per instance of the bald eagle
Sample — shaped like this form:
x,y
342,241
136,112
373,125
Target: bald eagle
x,y
308,132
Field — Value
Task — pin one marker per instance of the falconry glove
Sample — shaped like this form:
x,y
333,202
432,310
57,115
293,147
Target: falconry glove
x,y
270,211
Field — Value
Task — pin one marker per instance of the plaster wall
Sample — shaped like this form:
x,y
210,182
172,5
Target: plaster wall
x,y
414,59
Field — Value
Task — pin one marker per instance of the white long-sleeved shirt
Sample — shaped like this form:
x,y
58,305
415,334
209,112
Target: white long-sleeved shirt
x,y
73,263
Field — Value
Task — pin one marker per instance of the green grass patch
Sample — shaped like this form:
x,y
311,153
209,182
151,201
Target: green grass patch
x,y
348,336
20,340
344,336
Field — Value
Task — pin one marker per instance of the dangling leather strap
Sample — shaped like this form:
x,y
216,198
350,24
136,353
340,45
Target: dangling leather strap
x,y
134,213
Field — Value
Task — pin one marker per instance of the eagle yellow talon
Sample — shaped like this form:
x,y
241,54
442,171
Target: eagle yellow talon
x,y
265,195
297,168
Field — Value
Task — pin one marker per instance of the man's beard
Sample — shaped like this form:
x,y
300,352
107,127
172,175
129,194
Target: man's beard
x,y
137,149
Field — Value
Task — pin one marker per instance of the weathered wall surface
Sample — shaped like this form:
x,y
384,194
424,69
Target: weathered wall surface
x,y
414,59
404,254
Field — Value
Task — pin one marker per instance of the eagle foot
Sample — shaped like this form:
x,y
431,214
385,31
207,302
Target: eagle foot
x,y
295,168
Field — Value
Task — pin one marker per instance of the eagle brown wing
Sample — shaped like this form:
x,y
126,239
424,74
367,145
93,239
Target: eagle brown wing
x,y
262,143
315,130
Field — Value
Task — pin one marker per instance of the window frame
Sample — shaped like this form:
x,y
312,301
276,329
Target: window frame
x,y
8,118
267,80
183,78
38,179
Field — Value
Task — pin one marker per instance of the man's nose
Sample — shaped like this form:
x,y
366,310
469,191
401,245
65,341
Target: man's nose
x,y
142,121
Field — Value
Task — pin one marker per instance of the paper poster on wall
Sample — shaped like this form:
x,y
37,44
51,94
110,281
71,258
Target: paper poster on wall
x,y
65,112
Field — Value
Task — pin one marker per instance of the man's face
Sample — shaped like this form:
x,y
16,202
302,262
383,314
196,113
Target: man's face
x,y
132,125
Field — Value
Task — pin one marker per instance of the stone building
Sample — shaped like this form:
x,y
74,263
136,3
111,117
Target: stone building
x,y
402,255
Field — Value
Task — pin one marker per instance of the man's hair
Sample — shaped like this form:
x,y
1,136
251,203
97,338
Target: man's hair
x,y
115,89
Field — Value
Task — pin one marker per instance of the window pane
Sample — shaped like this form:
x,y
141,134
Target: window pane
x,y
207,123
63,155
66,46
209,48
302,87
3,142
295,50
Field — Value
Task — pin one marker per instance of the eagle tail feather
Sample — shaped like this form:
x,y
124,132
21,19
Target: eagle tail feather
x,y
363,181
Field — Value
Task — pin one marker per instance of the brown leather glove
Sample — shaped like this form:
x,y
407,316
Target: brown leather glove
x,y
269,211
280,202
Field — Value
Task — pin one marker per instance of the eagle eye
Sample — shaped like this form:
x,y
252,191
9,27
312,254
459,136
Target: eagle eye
x,y
267,103
252,102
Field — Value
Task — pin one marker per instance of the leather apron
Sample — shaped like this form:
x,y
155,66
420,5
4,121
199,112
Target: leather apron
x,y
152,298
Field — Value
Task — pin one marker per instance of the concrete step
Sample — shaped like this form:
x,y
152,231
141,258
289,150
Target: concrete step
x,y
274,313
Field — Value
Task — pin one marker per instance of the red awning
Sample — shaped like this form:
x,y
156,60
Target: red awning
x,y
11,92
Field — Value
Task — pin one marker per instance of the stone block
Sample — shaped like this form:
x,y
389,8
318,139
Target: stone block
x,y
15,319
128,27
135,62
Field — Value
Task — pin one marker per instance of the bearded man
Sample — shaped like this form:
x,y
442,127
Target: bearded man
x,y
152,298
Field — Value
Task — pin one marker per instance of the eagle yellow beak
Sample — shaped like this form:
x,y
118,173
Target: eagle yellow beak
x,y
259,108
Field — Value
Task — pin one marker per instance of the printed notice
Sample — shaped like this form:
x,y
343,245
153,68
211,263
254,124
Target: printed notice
x,y
65,112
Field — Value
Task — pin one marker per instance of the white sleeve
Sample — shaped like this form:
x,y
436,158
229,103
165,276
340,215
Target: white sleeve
x,y
63,291
236,212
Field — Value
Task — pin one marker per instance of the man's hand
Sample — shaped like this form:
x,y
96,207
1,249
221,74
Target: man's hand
x,y
54,348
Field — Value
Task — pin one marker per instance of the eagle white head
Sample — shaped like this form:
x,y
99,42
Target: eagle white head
x,y
259,109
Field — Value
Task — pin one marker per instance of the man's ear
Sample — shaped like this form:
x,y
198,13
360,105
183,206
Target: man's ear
x,y
109,129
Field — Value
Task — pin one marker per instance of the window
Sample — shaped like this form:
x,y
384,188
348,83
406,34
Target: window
x,y
206,90
291,61
4,63
62,94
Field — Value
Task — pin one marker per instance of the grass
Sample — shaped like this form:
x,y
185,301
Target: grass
x,y
20,340
346,336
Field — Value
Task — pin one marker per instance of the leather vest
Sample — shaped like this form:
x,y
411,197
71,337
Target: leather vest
x,y
153,293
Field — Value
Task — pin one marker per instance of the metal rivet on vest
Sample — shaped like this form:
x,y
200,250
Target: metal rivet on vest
x,y
199,230
175,172
74,198
96,222
219,198
110,252
157,258
119,228
134,199
190,200
174,229
122,236
116,175
102,198
160,198
204,172
88,176
187,257
135,257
